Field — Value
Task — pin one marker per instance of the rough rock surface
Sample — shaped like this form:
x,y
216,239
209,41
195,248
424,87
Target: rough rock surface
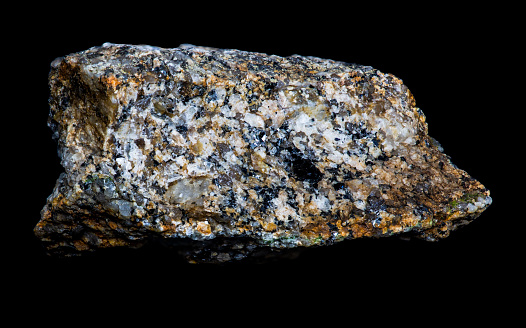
x,y
227,154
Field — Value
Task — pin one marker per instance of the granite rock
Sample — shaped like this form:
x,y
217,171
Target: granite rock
x,y
226,154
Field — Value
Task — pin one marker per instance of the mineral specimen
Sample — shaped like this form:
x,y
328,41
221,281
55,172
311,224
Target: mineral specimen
x,y
226,154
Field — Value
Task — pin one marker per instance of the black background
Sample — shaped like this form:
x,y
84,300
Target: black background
x,y
455,61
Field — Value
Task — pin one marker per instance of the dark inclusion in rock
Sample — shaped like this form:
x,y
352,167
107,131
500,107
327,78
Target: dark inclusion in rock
x,y
226,154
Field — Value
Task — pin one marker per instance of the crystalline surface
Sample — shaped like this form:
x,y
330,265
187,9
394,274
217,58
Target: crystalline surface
x,y
230,154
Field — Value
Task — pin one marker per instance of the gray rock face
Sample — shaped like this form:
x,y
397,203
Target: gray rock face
x,y
228,154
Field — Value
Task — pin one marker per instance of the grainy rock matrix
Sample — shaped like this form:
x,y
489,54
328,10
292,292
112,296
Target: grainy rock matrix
x,y
226,154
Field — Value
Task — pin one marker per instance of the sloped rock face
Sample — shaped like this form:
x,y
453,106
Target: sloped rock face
x,y
227,154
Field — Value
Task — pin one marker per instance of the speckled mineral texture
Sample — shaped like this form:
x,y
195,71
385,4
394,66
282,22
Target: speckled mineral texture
x,y
226,154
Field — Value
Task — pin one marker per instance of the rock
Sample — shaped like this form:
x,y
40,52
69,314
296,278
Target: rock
x,y
226,154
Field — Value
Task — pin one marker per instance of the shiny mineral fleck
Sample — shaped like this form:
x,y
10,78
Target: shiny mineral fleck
x,y
226,154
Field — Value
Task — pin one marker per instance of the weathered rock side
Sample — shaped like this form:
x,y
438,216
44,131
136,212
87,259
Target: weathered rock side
x,y
232,154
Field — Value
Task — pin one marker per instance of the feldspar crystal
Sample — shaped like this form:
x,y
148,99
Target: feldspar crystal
x,y
226,154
